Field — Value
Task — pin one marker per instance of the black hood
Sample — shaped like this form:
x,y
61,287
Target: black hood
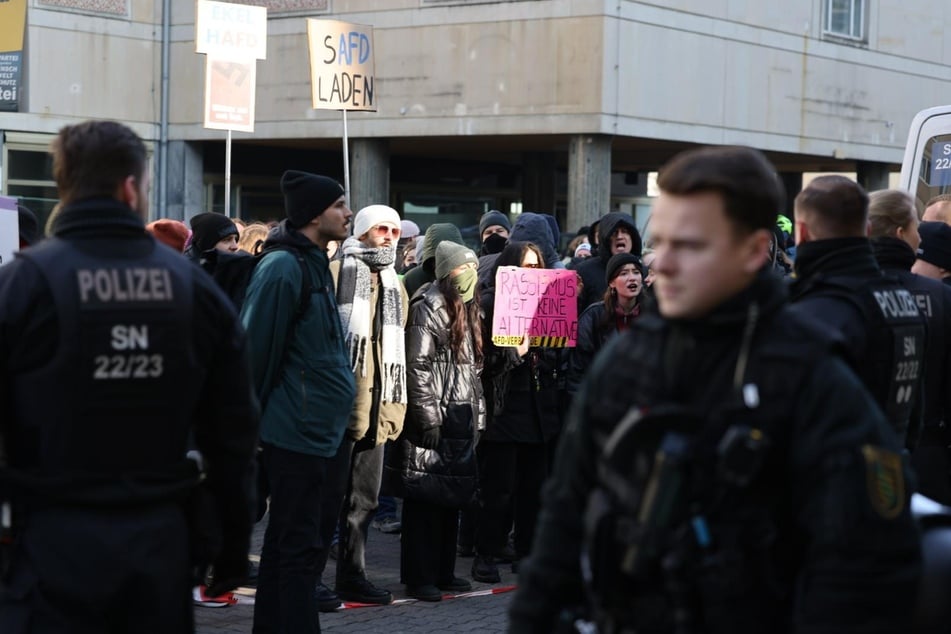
x,y
606,227
835,257
286,235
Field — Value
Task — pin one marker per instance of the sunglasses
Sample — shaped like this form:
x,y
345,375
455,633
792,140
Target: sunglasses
x,y
383,230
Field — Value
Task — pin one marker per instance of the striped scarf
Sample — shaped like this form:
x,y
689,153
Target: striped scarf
x,y
356,314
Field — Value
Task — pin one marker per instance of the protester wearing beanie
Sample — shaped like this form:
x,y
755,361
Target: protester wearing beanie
x,y
307,196
605,318
372,305
172,233
493,221
374,215
303,378
425,270
208,229
934,252
435,471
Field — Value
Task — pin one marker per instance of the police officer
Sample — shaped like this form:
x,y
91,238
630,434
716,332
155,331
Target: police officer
x,y
893,229
722,470
113,350
840,283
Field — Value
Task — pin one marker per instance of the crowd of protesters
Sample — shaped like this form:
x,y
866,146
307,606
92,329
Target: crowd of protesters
x,y
373,360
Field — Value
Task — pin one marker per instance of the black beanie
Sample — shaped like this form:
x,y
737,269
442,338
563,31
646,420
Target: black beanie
x,y
306,196
209,228
619,260
493,218
935,246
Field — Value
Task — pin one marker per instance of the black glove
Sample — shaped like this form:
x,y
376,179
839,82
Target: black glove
x,y
429,439
229,573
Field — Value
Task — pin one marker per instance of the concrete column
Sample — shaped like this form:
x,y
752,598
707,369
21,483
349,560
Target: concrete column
x,y
871,175
186,190
369,173
589,179
538,182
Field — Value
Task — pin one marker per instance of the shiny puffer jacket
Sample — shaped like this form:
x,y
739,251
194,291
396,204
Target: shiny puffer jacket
x,y
442,391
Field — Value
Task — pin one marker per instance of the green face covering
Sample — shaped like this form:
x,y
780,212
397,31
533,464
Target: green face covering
x,y
465,283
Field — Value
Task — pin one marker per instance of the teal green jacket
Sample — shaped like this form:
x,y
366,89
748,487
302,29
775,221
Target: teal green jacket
x,y
308,392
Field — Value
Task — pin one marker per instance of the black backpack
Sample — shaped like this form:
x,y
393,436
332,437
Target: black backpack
x,y
232,272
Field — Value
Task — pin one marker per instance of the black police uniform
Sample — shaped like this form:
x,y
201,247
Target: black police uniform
x,y
930,457
839,283
806,527
113,350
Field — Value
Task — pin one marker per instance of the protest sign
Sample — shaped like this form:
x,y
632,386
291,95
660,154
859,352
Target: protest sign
x,y
341,65
9,229
542,303
224,30
229,94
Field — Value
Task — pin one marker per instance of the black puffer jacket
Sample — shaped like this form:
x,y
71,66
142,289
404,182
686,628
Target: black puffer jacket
x,y
442,391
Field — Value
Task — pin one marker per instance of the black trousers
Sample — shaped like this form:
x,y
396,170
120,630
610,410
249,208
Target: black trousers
x,y
510,478
286,602
428,543
348,505
80,571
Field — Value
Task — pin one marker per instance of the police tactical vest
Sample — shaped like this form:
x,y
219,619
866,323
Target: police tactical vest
x,y
117,396
894,361
681,531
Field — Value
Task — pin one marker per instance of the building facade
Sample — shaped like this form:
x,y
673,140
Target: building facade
x,y
557,106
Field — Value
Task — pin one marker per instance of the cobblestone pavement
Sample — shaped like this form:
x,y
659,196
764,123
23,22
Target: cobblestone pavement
x,y
483,614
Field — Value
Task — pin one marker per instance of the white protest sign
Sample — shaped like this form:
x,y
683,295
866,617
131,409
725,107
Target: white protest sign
x,y
341,65
231,31
9,229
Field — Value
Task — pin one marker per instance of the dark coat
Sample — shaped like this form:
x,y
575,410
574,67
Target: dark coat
x,y
525,396
443,391
834,559
592,270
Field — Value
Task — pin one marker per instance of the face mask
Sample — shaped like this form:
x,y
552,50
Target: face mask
x,y
465,283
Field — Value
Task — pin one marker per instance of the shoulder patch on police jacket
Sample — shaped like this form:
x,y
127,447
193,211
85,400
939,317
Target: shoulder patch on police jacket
x,y
884,480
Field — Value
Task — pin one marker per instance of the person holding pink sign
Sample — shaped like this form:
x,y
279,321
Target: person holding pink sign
x,y
524,398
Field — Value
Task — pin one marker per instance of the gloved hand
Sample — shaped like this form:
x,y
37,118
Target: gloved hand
x,y
430,438
229,573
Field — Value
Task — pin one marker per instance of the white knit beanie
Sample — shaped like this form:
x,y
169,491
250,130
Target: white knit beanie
x,y
374,215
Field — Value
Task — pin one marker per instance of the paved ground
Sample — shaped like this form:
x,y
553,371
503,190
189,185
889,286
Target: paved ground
x,y
465,614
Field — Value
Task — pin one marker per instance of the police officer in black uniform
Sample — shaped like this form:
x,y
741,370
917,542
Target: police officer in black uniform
x,y
893,229
113,350
839,282
722,469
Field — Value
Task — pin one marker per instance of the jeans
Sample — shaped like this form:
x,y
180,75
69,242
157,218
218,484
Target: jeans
x,y
286,602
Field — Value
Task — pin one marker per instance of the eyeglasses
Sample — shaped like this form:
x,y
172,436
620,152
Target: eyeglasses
x,y
383,230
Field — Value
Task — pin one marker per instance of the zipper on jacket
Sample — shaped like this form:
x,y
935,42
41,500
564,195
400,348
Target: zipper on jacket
x,y
303,395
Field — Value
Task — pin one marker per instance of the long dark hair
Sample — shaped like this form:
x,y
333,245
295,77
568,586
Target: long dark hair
x,y
462,318
514,253
610,301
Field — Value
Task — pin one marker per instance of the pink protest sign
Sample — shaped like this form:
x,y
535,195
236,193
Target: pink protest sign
x,y
542,303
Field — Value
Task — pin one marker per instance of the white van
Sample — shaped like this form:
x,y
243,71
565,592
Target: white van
x,y
926,168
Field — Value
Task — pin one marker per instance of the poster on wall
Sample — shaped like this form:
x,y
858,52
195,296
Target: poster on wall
x,y
12,28
341,65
